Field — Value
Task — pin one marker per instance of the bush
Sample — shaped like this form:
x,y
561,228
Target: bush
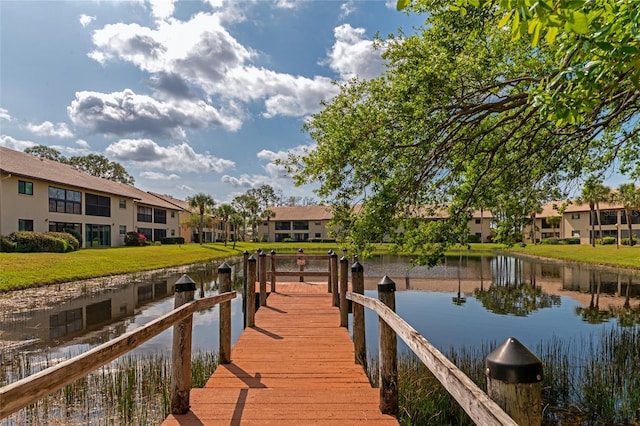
x,y
29,242
606,241
71,240
6,245
134,239
473,238
625,241
570,241
172,240
551,241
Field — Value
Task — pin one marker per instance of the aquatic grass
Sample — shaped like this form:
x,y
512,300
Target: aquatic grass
x,y
134,389
590,380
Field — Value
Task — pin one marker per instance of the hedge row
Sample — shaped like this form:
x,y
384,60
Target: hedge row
x,y
561,241
29,242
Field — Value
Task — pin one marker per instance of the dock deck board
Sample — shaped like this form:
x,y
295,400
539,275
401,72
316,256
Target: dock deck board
x,y
295,367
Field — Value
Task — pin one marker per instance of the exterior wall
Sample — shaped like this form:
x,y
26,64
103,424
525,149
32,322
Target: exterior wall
x,y
481,226
314,229
95,230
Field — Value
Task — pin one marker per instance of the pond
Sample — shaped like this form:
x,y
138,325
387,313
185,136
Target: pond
x,y
466,302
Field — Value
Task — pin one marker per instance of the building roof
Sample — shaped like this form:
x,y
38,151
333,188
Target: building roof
x,y
18,163
302,213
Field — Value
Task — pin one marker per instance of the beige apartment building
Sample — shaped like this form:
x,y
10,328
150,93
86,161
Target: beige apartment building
x,y
305,223
42,195
575,222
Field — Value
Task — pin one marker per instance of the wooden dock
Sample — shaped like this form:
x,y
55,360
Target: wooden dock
x,y
296,366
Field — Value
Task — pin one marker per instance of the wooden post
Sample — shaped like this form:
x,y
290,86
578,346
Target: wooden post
x,y
181,349
263,278
359,337
224,277
335,297
251,292
387,346
273,271
344,282
329,253
245,256
301,263
514,382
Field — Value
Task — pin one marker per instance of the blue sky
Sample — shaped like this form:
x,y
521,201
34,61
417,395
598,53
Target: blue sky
x,y
193,96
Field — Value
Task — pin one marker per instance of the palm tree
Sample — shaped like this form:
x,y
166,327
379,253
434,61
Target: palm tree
x,y
593,193
268,214
554,221
224,212
203,203
236,219
629,197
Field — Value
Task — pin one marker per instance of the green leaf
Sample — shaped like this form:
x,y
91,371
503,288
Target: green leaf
x,y
402,4
579,23
551,35
505,19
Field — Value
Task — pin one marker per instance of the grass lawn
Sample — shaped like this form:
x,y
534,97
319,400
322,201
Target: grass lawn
x,y
21,270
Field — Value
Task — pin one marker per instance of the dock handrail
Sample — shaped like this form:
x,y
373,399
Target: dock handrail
x,y
28,390
477,404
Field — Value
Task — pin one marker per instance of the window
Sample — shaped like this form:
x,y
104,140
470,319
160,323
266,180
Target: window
x,y
300,225
65,201
478,221
146,232
25,225
123,230
635,217
173,232
145,214
25,188
97,235
318,223
575,233
283,226
73,228
122,204
97,205
575,215
318,235
173,214
159,216
159,234
609,217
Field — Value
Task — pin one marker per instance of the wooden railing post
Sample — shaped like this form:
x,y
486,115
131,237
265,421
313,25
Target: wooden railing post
x,y
388,345
262,268
301,264
181,349
335,296
273,271
344,282
329,253
224,277
245,256
359,338
251,292
514,382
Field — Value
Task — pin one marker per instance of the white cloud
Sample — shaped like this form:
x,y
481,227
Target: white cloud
x,y
86,19
60,130
175,158
186,189
127,113
11,143
4,115
347,9
162,9
208,58
159,176
279,171
82,143
353,55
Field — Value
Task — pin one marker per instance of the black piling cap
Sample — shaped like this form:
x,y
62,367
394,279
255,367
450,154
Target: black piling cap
x,y
251,259
273,252
343,259
357,267
262,254
224,268
300,250
512,362
386,285
185,283
333,254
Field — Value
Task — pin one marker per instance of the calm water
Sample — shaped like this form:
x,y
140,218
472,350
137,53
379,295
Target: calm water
x,y
465,302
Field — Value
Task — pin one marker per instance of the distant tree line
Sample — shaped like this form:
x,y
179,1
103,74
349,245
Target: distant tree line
x,y
93,164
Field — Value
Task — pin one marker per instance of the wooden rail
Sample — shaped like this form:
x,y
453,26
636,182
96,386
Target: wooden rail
x,y
20,394
476,403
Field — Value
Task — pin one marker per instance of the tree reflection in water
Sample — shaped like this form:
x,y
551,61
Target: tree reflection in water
x,y
515,299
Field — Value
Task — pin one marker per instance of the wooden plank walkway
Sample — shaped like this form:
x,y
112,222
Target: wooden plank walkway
x,y
296,367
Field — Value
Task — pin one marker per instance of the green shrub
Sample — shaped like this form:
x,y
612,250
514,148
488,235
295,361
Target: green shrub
x,y
473,238
172,240
134,239
625,241
6,245
572,240
29,242
606,241
552,241
71,240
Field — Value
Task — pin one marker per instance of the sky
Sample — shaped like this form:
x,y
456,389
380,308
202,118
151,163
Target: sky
x,y
189,96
